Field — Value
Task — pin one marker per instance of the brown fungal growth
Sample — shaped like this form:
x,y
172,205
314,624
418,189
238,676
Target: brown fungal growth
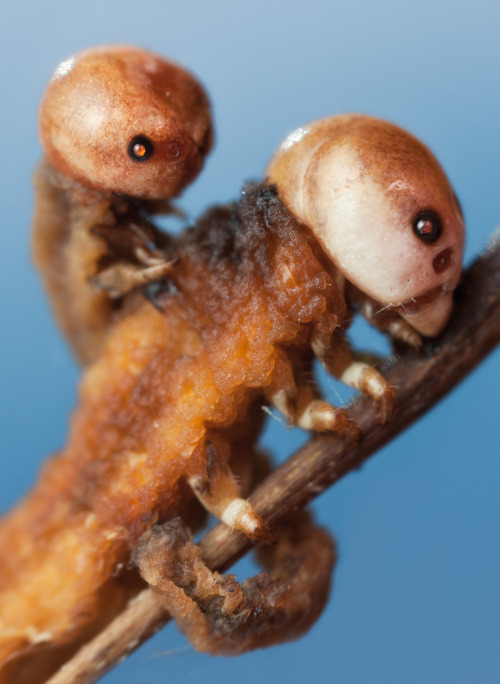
x,y
124,131
170,408
219,615
161,411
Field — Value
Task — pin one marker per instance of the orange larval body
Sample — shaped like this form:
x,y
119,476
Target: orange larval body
x,y
184,340
249,285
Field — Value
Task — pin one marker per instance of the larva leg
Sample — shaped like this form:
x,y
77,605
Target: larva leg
x,y
122,278
391,323
300,405
217,490
336,355
143,257
220,616
387,320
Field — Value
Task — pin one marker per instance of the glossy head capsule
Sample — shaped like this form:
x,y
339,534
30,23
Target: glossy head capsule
x,y
382,208
120,119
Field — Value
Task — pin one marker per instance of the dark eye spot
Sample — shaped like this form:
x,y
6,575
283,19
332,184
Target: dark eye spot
x,y
442,261
174,150
427,226
140,148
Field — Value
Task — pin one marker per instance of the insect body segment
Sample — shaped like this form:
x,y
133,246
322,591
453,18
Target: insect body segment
x,y
172,400
237,309
383,210
123,131
121,119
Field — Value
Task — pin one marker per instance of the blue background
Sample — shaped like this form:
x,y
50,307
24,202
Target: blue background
x,y
416,594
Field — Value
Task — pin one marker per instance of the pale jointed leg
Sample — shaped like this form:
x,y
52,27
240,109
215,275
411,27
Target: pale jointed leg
x,y
298,402
217,490
336,355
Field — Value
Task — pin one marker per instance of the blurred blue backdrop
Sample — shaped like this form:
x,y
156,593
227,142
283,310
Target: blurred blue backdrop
x,y
416,596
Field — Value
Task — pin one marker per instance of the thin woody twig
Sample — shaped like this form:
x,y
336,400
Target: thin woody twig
x,y
420,381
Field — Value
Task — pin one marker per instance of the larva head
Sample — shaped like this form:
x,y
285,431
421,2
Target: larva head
x,y
119,119
382,208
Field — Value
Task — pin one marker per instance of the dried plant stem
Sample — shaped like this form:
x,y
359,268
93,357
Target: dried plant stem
x,y
420,382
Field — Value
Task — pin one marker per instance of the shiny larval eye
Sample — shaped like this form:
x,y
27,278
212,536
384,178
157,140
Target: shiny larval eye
x,y
427,226
140,148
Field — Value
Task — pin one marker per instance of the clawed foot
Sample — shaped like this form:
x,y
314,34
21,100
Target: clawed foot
x,y
321,416
240,515
365,378
384,401
122,278
217,490
374,384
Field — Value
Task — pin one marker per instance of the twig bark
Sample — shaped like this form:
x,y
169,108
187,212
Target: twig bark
x,y
420,381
